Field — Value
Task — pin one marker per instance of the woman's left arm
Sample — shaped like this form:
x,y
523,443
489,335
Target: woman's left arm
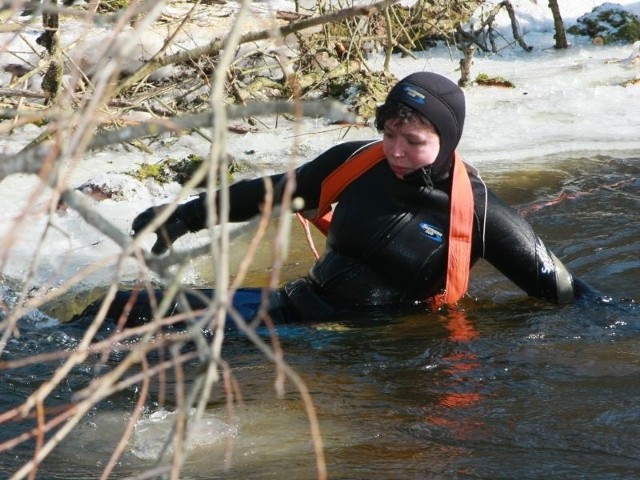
x,y
514,249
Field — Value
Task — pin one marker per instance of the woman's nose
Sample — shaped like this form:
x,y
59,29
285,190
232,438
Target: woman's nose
x,y
395,149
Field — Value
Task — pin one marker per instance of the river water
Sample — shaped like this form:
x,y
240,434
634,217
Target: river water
x,y
514,388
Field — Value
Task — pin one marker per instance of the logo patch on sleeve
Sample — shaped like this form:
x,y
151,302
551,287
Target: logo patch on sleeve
x,y
431,232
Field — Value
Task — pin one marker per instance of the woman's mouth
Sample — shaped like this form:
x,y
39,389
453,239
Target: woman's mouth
x,y
398,171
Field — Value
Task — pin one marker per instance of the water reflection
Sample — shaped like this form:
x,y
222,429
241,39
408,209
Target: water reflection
x,y
508,388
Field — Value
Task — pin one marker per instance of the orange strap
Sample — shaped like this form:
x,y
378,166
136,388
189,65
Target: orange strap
x,y
340,178
461,218
460,235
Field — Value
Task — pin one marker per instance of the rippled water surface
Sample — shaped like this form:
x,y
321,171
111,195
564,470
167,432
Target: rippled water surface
x,y
514,388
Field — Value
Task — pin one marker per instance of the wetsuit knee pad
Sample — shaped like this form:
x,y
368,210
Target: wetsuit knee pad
x,y
307,302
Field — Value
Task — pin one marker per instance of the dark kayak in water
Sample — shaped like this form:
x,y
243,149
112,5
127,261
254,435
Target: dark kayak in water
x,y
138,306
283,306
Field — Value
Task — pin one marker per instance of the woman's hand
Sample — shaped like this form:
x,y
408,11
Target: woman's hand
x,y
188,217
173,228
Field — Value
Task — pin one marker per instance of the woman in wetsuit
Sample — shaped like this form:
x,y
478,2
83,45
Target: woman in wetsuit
x,y
389,240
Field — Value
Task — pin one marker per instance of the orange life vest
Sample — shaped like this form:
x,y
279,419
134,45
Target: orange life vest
x,y
461,218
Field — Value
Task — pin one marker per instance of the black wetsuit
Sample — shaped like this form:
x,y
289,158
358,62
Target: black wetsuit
x,y
387,244
388,239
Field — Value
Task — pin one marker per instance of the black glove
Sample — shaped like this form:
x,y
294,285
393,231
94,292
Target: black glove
x,y
585,291
189,217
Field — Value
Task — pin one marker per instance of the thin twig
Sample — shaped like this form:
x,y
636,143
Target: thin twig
x,y
278,32
32,160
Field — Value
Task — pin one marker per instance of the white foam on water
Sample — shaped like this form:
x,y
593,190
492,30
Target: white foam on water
x,y
153,434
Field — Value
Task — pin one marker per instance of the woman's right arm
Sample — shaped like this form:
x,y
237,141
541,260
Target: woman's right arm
x,y
246,197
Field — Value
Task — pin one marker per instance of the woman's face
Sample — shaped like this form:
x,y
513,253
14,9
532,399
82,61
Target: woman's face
x,y
409,145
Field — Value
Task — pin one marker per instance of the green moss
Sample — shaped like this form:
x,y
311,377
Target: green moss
x,y
630,32
177,170
484,79
185,168
155,171
611,23
362,91
110,6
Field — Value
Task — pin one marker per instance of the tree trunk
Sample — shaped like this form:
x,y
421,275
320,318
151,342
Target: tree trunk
x,y
465,66
50,40
560,36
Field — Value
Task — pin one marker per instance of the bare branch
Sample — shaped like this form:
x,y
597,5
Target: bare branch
x,y
278,32
33,159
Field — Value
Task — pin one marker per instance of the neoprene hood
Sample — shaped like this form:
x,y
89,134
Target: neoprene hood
x,y
440,101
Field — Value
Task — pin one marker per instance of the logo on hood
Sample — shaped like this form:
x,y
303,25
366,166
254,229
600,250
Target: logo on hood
x,y
431,232
414,95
